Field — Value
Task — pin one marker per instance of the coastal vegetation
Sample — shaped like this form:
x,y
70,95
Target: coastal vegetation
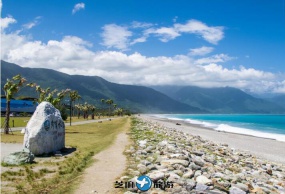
x,y
61,174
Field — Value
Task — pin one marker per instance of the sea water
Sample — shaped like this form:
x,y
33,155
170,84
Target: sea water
x,y
266,126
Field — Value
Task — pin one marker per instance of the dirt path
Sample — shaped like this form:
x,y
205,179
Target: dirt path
x,y
109,165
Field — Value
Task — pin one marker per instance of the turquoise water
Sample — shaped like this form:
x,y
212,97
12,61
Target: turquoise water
x,y
268,126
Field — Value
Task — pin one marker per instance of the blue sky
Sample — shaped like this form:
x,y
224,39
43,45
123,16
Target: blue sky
x,y
184,42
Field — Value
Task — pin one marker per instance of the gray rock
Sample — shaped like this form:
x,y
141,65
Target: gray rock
x,y
188,175
190,184
241,186
151,167
201,187
218,175
197,153
18,158
194,166
235,190
198,161
174,161
156,175
45,131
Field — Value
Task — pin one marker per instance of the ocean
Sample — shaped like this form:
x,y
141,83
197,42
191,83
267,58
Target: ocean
x,y
266,126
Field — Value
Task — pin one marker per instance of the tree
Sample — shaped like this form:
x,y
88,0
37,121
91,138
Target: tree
x,y
79,109
109,102
54,97
73,95
119,111
92,108
11,87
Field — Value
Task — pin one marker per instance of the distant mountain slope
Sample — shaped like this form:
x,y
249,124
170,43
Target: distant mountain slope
x,y
220,100
94,88
280,100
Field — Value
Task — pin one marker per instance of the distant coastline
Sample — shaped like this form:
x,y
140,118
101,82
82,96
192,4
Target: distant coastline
x,y
274,129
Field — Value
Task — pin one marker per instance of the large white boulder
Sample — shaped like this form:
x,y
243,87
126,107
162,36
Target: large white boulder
x,y
45,131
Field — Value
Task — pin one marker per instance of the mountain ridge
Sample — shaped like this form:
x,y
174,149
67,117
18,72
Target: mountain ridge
x,y
155,99
220,99
94,88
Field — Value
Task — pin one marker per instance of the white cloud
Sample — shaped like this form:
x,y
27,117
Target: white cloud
x,y
78,7
165,34
219,58
5,22
123,38
33,23
115,36
73,55
136,24
210,34
204,50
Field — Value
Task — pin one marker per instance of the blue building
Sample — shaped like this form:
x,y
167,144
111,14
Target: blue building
x,y
18,106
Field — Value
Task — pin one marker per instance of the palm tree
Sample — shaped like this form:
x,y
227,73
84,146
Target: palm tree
x,y
73,97
79,108
109,102
11,87
92,109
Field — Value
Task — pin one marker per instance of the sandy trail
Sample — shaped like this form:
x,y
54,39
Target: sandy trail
x,y
109,165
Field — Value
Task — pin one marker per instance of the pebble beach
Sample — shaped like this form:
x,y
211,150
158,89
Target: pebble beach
x,y
195,164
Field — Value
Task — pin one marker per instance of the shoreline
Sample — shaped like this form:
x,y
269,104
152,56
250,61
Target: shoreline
x,y
265,148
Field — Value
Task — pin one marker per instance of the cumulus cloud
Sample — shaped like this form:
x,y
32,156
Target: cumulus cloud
x,y
73,55
126,37
5,22
211,34
78,7
204,50
115,36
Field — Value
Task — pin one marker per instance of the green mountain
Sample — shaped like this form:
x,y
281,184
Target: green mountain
x,y
94,88
220,100
280,100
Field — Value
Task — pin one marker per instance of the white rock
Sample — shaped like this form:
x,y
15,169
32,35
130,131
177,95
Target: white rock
x,y
203,180
156,175
142,143
174,161
45,131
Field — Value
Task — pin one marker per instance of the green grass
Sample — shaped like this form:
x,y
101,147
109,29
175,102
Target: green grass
x,y
88,139
22,121
18,121
16,137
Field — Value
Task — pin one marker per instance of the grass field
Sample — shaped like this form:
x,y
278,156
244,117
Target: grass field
x,y
60,175
22,121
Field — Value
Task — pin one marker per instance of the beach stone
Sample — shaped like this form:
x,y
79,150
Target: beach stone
x,y
235,190
201,187
198,161
45,131
190,184
241,186
189,174
203,180
18,158
194,166
174,161
156,175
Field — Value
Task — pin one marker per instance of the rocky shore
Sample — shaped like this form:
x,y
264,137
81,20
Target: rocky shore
x,y
179,162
